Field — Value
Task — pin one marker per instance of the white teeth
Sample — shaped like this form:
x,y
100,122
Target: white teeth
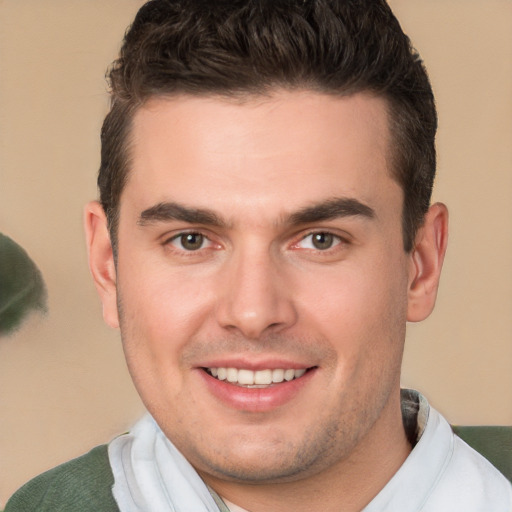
x,y
278,375
263,377
232,375
289,374
244,377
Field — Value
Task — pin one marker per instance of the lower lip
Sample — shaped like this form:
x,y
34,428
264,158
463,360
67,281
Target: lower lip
x,y
255,399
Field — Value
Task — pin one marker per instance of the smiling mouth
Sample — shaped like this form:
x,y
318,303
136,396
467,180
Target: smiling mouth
x,y
255,379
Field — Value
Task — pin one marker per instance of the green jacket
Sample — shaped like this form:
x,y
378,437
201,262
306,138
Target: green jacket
x,y
80,485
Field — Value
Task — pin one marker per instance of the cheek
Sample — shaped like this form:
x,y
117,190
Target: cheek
x,y
156,324
160,312
354,299
360,310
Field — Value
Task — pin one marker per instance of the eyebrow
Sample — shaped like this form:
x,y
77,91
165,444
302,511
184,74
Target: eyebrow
x,y
332,209
168,211
326,210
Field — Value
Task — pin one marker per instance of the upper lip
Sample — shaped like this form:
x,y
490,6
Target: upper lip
x,y
254,364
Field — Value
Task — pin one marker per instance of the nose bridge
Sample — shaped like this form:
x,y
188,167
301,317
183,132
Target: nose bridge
x,y
254,298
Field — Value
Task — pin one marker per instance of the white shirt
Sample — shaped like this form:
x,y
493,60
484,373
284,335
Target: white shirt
x,y
443,474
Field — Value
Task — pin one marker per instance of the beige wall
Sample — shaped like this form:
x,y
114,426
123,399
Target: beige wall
x,y
63,385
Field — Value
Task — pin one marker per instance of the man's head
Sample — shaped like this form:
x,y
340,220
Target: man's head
x,y
257,202
250,48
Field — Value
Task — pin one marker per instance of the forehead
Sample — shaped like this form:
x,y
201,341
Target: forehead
x,y
263,151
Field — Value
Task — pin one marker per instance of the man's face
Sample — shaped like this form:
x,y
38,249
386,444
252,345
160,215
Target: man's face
x,y
261,279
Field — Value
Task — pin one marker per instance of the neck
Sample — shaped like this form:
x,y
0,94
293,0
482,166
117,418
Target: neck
x,y
348,485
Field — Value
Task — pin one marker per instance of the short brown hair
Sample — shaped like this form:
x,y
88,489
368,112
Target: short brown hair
x,y
234,47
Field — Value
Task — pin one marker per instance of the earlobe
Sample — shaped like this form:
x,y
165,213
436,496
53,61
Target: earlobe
x,y
426,261
101,260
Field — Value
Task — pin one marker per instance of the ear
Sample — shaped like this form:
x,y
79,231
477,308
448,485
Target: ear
x,y
101,260
426,261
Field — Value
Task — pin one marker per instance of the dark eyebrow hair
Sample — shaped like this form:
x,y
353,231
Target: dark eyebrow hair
x,y
168,211
332,209
325,210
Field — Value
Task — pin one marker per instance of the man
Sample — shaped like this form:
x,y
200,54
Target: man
x,y
263,234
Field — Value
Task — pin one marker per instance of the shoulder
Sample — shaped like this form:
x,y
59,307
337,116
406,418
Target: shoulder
x,y
493,442
82,485
472,483
454,475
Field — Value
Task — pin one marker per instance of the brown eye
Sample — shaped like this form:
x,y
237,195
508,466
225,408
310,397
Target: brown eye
x,y
191,241
322,241
319,241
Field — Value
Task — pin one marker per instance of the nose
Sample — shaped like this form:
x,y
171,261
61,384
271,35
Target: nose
x,y
254,298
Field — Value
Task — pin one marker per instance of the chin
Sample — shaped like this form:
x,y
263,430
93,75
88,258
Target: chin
x,y
268,461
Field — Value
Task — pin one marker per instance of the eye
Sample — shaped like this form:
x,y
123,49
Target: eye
x,y
320,241
189,241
